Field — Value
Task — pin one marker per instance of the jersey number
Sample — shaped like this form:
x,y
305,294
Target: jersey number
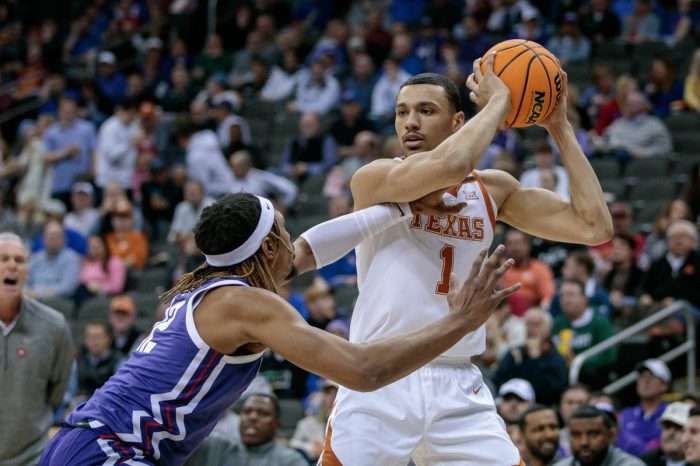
x,y
148,344
447,254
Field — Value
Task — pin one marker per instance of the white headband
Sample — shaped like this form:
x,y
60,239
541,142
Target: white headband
x,y
247,249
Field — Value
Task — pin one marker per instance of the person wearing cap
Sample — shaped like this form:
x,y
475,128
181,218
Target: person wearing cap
x,y
569,45
350,123
642,421
188,211
70,143
53,271
310,431
690,438
122,320
540,426
97,360
592,434
111,83
37,354
126,242
85,217
515,396
55,210
115,157
670,451
317,91
222,317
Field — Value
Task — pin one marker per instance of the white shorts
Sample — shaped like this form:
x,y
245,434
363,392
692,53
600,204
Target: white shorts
x,y
438,415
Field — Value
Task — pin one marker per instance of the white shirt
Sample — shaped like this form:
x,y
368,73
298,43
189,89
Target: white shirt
x,y
85,222
279,86
531,179
223,130
206,163
266,184
315,98
384,93
186,217
116,153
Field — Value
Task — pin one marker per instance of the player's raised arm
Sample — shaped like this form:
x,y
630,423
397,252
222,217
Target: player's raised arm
x,y
442,151
584,219
261,316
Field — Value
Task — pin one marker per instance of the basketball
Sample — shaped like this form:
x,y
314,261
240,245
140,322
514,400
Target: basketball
x,y
533,75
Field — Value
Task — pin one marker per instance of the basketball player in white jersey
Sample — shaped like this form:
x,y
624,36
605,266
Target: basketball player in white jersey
x,y
443,414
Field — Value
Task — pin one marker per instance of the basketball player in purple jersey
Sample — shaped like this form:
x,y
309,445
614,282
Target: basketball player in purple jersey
x,y
197,361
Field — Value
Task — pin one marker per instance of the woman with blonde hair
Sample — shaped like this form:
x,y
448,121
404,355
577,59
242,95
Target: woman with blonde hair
x,y
611,111
691,86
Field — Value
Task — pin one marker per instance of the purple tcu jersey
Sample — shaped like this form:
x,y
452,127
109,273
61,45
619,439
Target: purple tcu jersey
x,y
164,401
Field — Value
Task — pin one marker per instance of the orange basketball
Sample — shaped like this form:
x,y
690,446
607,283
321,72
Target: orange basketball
x,y
533,75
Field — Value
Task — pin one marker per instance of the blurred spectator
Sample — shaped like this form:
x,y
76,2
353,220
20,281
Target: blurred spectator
x,y
216,91
362,81
111,83
312,152
225,119
70,143
125,242
636,134
600,93
259,425
611,110
505,16
55,210
690,439
543,157
642,25
504,331
249,179
685,22
541,430
36,374
655,246
97,361
188,211
664,91
622,277
643,421
35,182
536,278
384,94
160,195
205,161
53,271
350,123
177,95
310,431
677,275
623,221
122,320
8,219
573,398
100,273
579,328
516,436
243,59
592,434
599,23
691,191
316,91
84,218
570,46
402,50
213,59
581,267
342,272
115,157
514,397
529,27
320,301
364,150
691,85
536,361
670,449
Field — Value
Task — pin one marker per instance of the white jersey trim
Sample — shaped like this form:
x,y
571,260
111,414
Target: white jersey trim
x,y
192,303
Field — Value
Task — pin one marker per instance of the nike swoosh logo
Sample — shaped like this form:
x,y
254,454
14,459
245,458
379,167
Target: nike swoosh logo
x,y
476,390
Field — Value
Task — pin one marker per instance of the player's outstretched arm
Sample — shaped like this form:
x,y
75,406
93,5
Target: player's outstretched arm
x,y
237,315
584,219
449,163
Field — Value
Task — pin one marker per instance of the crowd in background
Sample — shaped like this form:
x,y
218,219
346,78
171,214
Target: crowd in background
x,y
123,119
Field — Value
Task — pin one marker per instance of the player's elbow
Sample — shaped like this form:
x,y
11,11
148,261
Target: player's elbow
x,y
456,166
368,376
601,233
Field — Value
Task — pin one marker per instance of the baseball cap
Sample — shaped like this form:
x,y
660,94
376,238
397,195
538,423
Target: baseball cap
x,y
656,367
107,57
677,412
122,303
54,207
83,187
519,387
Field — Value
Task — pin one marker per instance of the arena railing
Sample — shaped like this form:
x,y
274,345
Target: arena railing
x,y
687,347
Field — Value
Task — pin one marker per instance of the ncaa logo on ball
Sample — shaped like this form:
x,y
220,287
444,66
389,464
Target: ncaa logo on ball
x,y
537,106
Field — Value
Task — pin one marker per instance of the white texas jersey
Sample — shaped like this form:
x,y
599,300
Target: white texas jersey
x,y
403,273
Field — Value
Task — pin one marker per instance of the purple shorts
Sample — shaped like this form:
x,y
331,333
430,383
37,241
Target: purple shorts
x,y
88,446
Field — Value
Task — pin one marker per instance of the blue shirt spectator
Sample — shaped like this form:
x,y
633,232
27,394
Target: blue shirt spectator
x,y
55,270
406,11
341,272
110,82
70,143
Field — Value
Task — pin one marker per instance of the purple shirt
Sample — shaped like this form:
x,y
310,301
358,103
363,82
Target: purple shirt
x,y
639,428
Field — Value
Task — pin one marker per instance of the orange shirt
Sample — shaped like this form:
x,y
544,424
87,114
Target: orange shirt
x,y
130,247
537,282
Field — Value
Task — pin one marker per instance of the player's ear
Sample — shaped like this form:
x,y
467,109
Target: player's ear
x,y
457,121
267,248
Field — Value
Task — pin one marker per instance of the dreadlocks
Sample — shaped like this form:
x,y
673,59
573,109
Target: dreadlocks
x,y
222,227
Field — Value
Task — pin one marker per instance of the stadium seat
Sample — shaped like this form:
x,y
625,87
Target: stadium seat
x,y
65,306
96,308
647,168
151,280
646,215
683,122
313,186
605,168
655,190
291,412
317,205
345,297
146,303
615,187
687,142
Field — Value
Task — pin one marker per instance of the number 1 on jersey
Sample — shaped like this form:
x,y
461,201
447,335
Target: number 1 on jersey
x,y
447,254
